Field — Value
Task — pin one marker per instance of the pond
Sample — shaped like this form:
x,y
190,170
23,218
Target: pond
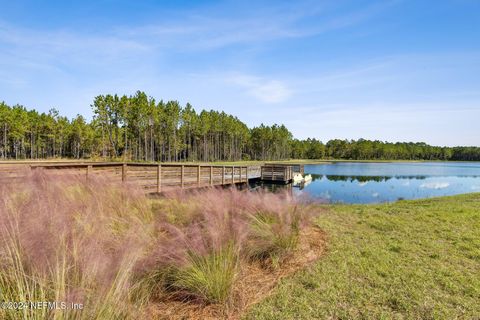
x,y
376,182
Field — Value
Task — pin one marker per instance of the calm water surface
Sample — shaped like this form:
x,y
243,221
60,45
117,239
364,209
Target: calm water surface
x,y
358,182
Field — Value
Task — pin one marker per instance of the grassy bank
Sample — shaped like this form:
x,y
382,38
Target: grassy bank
x,y
406,260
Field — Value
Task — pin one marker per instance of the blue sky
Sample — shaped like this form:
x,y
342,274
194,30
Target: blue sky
x,y
389,70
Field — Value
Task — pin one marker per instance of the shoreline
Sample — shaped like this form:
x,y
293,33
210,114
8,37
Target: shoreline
x,y
243,162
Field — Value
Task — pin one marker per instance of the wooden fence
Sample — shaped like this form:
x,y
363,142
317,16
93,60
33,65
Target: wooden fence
x,y
152,177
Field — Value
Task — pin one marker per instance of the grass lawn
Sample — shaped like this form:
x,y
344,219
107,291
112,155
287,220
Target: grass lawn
x,y
406,260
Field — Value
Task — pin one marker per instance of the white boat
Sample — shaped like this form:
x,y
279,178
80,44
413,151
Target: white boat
x,y
297,177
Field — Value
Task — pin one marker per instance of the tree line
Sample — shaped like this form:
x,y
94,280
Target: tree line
x,y
378,150
139,128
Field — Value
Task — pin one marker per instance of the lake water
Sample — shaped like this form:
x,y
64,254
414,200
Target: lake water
x,y
369,182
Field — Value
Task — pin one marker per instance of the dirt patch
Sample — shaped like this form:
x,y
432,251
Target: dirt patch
x,y
254,284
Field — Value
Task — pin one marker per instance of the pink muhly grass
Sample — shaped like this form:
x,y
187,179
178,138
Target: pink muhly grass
x,y
108,246
197,250
275,222
198,229
205,222
63,238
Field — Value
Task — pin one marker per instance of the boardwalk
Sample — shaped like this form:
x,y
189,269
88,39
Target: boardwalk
x,y
151,177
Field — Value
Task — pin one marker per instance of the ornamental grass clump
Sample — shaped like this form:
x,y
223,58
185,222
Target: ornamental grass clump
x,y
198,251
203,246
68,241
210,277
271,239
275,224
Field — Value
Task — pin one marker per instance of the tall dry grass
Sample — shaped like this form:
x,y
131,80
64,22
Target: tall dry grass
x,y
111,249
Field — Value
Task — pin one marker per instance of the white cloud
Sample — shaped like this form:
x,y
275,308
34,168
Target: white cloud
x,y
272,91
325,195
268,91
58,46
435,185
213,29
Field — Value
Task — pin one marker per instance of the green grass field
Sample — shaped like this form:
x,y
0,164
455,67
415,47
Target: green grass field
x,y
406,260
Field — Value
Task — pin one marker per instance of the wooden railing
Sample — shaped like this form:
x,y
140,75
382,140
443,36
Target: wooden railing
x,y
296,167
155,177
276,173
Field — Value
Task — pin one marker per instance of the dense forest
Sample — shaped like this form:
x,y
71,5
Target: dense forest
x,y
140,128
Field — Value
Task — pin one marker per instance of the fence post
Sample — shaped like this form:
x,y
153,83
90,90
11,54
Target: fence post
x,y
211,175
182,174
198,176
159,178
223,175
89,169
233,174
124,172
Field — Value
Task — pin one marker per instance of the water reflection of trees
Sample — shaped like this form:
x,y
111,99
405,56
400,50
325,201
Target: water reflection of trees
x,y
360,179
274,187
271,187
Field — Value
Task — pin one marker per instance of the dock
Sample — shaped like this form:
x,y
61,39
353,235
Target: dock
x,y
153,178
159,177
280,173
